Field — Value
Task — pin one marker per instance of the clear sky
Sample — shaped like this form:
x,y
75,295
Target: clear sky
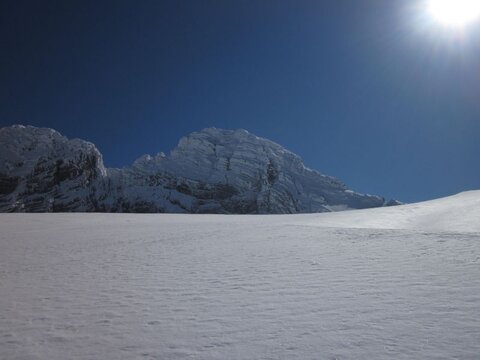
x,y
373,92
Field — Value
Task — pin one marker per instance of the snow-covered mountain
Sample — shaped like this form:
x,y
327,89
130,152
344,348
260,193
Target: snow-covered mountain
x,y
211,171
41,170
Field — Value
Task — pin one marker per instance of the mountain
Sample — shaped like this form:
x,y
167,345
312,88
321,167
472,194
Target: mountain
x,y
41,170
210,171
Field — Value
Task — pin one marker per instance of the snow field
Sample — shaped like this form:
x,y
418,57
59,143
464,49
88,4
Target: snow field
x,y
131,286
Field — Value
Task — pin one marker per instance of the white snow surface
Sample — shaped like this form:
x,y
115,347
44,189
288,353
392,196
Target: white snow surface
x,y
458,213
401,282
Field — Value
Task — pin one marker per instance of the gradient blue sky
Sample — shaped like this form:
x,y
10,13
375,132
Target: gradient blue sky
x,y
370,91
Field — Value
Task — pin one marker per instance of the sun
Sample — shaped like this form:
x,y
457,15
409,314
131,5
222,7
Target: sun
x,y
454,13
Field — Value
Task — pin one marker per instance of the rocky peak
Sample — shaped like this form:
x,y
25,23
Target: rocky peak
x,y
213,170
39,166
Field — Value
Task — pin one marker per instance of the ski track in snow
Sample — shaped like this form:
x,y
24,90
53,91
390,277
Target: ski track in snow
x,y
121,286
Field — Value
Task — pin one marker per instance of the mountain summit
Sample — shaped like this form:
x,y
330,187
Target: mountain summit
x,y
210,171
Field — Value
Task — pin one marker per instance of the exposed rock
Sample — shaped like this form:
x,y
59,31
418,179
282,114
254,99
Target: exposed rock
x,y
42,170
211,171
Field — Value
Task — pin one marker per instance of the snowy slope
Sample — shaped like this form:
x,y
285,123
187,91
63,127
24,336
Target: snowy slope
x,y
208,287
210,171
458,213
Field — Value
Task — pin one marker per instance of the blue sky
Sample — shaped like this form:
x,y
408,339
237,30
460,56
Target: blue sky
x,y
372,91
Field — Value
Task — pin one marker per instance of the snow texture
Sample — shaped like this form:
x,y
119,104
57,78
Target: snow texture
x,y
169,286
210,171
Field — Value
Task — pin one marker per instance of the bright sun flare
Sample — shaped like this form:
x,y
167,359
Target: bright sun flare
x,y
455,13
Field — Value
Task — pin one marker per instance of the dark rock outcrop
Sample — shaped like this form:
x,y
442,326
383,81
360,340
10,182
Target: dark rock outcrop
x,y
211,171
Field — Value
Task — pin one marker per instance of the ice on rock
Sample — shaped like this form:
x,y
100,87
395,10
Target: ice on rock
x,y
210,171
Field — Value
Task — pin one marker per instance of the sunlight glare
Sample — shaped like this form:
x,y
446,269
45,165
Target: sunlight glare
x,y
454,13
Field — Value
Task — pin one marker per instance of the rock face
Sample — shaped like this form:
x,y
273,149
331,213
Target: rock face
x,y
41,170
211,171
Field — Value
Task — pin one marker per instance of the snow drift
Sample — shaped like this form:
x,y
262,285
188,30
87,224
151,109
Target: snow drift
x,y
458,213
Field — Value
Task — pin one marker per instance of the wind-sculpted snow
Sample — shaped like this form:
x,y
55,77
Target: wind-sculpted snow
x,y
207,287
458,213
211,171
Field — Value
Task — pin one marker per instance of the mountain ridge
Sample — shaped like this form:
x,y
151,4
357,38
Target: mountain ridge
x,y
209,171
